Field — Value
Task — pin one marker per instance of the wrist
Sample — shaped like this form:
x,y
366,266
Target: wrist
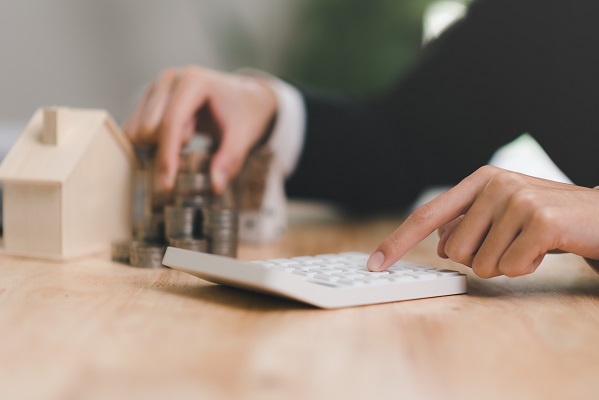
x,y
271,105
594,264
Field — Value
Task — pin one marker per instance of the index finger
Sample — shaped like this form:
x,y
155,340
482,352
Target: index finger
x,y
179,119
428,217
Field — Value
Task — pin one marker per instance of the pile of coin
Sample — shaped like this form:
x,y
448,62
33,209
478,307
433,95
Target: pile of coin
x,y
179,222
146,255
221,226
191,217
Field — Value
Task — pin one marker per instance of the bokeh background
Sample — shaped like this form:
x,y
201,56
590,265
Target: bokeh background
x,y
102,53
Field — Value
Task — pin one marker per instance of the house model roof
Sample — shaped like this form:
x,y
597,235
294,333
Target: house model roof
x,y
54,141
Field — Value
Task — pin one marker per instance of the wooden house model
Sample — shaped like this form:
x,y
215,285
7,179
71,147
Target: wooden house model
x,y
67,185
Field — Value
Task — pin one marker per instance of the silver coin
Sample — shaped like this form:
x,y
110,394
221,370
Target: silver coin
x,y
192,183
192,216
179,222
192,161
196,201
146,256
200,245
221,222
121,251
151,229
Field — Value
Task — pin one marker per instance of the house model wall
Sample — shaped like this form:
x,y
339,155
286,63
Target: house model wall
x,y
67,185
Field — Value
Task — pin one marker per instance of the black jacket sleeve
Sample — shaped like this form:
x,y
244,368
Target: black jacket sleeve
x,y
509,67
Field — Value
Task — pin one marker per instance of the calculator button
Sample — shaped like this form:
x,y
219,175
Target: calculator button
x,y
308,274
423,275
326,256
278,260
343,275
399,272
303,259
330,270
422,268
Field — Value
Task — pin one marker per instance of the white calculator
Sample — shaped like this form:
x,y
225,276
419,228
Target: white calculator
x,y
325,280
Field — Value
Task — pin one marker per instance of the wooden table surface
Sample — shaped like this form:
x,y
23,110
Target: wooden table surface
x,y
93,329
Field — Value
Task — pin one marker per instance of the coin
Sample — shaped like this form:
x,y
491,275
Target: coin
x,y
121,251
197,201
151,229
192,183
194,161
179,222
146,256
221,226
200,245
192,216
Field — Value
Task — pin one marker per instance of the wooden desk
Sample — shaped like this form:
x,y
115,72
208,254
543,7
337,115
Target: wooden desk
x,y
93,329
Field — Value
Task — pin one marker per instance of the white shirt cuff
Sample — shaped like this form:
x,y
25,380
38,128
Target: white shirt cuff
x,y
287,137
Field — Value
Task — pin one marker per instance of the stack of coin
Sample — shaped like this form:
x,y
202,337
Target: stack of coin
x,y
179,222
200,245
191,183
190,217
151,229
253,177
146,256
121,251
195,201
195,160
221,227
192,189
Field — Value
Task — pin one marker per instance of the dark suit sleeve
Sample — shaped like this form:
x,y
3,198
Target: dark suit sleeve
x,y
509,67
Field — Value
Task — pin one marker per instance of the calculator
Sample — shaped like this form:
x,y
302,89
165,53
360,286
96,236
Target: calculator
x,y
324,280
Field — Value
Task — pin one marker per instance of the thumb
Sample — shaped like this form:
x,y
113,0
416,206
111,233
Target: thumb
x,y
169,149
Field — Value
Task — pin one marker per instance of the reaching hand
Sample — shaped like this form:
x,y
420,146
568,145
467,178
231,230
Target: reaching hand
x,y
501,223
236,108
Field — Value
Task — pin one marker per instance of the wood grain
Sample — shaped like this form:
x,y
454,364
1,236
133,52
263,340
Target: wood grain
x,y
93,329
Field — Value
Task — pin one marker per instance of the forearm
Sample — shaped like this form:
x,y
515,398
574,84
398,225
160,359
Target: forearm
x,y
509,67
439,123
353,149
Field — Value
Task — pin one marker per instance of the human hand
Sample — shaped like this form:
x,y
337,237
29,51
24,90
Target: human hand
x,y
237,109
501,223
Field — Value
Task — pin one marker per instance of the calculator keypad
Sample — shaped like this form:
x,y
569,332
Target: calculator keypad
x,y
349,270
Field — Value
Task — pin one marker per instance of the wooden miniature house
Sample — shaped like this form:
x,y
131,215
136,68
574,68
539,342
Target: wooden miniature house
x,y
67,185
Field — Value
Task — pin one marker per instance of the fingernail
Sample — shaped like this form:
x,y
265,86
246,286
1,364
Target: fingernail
x,y
375,261
219,180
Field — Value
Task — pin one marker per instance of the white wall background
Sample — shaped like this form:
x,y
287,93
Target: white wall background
x,y
100,53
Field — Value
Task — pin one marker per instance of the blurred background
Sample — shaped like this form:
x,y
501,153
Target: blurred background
x,y
102,53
